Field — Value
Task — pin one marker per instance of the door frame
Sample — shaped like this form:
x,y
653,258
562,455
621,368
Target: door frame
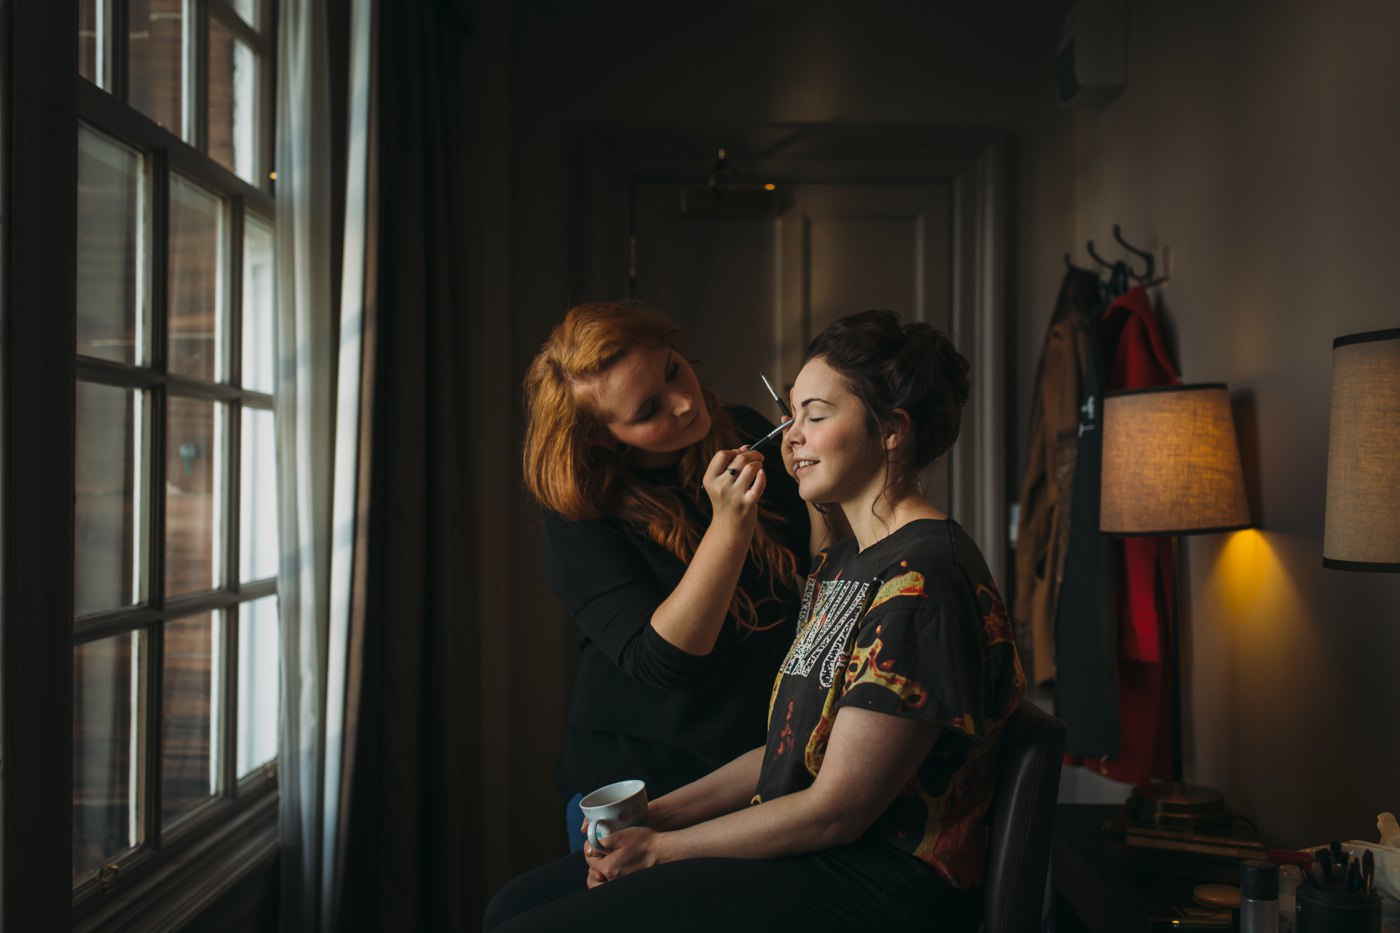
x,y
975,166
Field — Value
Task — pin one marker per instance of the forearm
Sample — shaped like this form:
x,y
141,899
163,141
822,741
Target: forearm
x,y
722,791
692,617
801,822
869,758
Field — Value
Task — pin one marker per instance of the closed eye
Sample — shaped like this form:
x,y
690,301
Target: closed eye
x,y
648,410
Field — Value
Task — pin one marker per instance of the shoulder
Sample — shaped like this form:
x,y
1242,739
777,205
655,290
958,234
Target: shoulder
x,y
928,564
922,545
565,532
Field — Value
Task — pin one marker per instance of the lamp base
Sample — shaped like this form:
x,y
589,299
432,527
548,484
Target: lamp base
x,y
1178,805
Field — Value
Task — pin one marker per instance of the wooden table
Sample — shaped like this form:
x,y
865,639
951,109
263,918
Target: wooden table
x,y
1097,887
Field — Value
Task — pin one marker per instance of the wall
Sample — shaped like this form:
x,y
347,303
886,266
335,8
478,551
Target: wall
x,y
1258,140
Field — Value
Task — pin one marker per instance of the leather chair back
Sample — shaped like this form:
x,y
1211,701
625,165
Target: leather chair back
x,y
1022,821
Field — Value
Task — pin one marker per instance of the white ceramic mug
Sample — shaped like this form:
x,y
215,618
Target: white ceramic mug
x,y
613,807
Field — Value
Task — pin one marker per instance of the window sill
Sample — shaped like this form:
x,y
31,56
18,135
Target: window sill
x,y
170,897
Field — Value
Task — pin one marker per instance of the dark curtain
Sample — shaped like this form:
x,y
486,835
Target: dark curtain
x,y
412,782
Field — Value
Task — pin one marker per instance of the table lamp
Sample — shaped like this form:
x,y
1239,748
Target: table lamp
x,y
1362,527
1171,466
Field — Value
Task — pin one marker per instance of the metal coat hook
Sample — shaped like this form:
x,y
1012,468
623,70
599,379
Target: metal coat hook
x,y
1096,257
1145,256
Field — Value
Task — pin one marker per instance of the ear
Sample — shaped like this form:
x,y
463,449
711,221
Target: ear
x,y
897,429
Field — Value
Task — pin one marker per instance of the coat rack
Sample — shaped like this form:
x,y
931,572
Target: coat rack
x,y
1120,273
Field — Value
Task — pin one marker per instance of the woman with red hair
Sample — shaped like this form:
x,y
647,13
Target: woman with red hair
x,y
677,554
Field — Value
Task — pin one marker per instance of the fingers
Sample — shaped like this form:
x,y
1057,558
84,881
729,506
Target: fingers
x,y
732,471
745,457
594,857
755,492
732,463
718,464
743,476
745,466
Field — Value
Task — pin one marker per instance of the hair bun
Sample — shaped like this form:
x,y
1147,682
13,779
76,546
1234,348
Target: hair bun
x,y
934,349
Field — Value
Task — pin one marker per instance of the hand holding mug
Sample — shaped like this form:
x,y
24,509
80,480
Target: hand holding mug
x,y
614,807
632,850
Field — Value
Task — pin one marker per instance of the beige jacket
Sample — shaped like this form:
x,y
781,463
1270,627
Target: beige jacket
x,y
1043,530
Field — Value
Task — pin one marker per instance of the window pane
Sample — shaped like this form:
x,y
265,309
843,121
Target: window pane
x,y
196,281
94,17
248,9
159,51
111,249
259,300
188,754
106,744
257,559
259,687
194,482
233,103
108,499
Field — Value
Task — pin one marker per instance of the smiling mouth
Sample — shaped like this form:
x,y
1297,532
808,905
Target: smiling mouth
x,y
800,465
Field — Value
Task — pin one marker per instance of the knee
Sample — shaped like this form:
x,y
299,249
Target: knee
x,y
508,902
549,883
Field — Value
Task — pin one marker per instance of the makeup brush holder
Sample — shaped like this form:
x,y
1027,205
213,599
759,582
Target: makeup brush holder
x,y
1335,912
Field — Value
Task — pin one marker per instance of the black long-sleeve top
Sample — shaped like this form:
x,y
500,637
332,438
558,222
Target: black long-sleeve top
x,y
641,707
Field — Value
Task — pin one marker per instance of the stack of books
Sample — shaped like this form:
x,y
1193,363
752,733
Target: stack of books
x,y
1213,854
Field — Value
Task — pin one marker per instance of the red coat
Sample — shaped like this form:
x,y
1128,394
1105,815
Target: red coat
x,y
1140,360
1137,358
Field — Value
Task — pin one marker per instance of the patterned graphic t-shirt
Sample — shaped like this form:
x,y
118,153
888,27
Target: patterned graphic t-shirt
x,y
912,626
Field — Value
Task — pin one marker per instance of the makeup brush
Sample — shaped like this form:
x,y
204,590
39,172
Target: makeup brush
x,y
776,432
782,406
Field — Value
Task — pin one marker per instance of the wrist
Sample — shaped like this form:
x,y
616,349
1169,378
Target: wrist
x,y
661,815
731,526
663,848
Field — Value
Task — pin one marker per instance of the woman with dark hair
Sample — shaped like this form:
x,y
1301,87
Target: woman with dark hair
x,y
675,552
867,805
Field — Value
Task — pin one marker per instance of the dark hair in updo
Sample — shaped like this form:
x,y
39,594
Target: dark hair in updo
x,y
891,365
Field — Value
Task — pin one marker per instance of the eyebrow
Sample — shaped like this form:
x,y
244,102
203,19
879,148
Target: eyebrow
x,y
637,415
805,402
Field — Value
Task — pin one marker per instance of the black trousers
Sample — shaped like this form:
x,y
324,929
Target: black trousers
x,y
862,886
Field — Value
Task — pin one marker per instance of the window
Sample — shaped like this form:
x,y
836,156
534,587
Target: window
x,y
175,628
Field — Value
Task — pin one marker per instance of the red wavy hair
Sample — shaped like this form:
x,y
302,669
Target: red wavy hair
x,y
568,471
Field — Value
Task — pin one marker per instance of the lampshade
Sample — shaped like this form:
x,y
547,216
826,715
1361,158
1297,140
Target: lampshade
x,y
1362,529
1171,464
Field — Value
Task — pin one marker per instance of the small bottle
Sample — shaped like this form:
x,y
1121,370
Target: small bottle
x,y
1289,877
1258,896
